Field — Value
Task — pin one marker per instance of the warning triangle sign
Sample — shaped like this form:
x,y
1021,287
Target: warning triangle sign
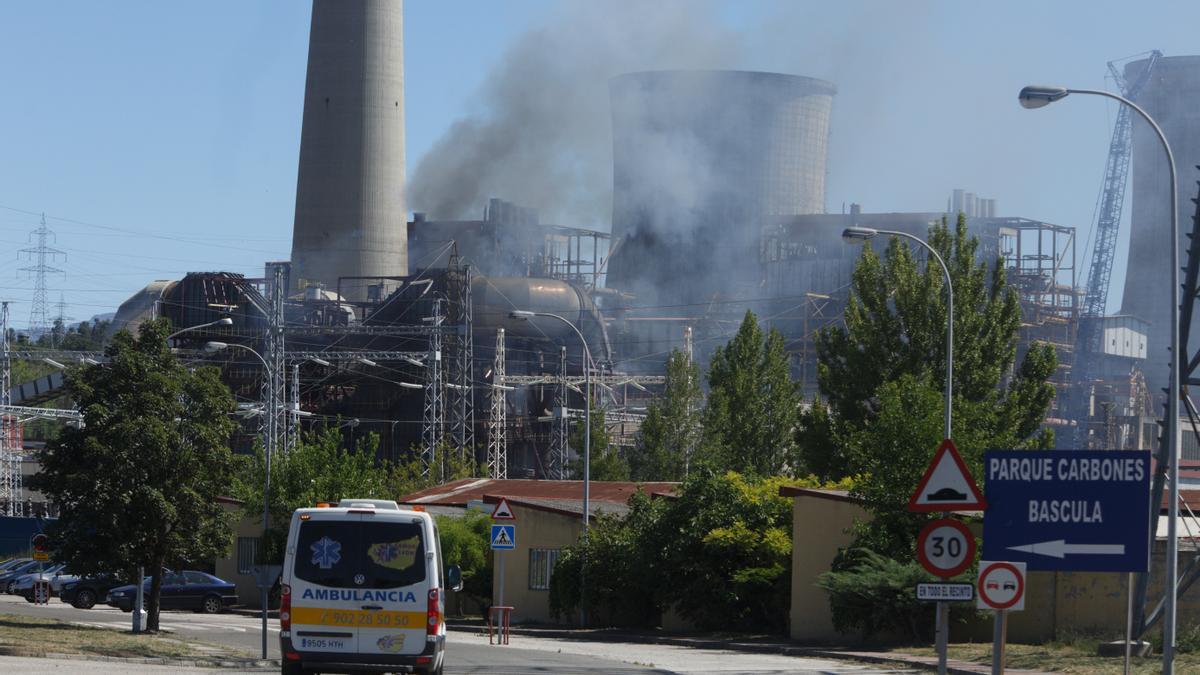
x,y
503,511
947,485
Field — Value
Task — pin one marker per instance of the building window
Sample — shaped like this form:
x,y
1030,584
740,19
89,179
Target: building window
x,y
247,554
541,566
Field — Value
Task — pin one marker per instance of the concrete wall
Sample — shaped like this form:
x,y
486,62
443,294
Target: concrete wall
x,y
535,529
226,567
819,529
1057,604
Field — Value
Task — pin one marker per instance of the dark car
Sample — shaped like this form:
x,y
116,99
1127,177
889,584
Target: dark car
x,y
9,576
85,593
189,589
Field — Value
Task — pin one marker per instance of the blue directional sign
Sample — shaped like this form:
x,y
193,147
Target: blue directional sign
x,y
1068,510
504,537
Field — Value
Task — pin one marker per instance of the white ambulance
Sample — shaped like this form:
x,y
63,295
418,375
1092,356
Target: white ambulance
x,y
363,590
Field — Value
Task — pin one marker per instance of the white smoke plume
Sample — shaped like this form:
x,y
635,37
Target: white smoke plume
x,y
540,131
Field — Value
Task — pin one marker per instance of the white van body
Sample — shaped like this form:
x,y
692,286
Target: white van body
x,y
363,590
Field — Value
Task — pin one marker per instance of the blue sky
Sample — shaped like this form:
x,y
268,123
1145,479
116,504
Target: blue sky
x,y
161,138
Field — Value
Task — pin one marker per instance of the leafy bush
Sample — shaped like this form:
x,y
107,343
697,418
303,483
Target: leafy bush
x,y
719,553
873,594
620,570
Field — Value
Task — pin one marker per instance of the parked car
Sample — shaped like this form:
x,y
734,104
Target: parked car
x,y
10,575
23,586
188,589
12,562
84,593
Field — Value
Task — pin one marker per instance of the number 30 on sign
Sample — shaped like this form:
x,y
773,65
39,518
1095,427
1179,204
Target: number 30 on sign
x,y
946,547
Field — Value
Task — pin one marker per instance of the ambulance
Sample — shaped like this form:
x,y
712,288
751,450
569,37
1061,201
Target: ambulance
x,y
363,590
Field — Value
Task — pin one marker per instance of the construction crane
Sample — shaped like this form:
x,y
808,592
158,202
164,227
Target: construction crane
x,y
1108,220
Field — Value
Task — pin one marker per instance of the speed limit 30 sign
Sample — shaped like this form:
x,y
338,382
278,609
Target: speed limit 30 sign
x,y
946,547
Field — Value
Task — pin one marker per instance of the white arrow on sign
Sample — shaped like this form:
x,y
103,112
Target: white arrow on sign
x,y
1059,548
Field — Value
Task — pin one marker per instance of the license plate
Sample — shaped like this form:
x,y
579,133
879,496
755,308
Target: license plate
x,y
329,644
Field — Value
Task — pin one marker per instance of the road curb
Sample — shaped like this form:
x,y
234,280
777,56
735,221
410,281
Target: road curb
x,y
269,665
924,663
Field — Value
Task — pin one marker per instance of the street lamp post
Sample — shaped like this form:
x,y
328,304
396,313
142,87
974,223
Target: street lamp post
x,y
269,448
1037,97
223,321
862,234
587,423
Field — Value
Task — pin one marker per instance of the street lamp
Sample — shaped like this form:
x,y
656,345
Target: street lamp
x,y
861,234
270,443
526,315
1036,97
223,321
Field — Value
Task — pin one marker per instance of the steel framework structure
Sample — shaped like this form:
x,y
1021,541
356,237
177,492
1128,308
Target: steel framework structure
x,y
433,413
461,397
274,424
497,449
10,427
1189,345
37,311
556,459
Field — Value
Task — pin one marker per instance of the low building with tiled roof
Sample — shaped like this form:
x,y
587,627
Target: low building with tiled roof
x,y
549,517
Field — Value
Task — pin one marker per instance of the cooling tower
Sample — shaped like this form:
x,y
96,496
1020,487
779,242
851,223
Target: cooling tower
x,y
1170,97
702,160
350,214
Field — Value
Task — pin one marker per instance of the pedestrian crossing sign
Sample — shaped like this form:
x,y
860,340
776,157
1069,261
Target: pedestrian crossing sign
x,y
504,537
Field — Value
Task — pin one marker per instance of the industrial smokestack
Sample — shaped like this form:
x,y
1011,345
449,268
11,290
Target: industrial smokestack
x,y
350,212
1169,96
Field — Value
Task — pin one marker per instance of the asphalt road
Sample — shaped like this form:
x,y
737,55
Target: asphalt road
x,y
467,652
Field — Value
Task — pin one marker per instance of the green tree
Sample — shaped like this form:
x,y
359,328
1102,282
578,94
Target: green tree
x,y
881,377
466,542
719,553
319,469
670,434
137,484
605,462
753,404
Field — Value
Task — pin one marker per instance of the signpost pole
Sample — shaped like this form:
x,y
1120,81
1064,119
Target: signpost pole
x,y
999,635
137,602
943,638
1128,619
500,586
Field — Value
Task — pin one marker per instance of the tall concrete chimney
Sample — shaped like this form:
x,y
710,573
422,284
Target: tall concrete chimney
x,y
350,212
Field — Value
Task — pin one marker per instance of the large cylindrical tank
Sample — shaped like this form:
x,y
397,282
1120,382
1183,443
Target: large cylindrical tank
x,y
350,212
495,298
1170,97
701,160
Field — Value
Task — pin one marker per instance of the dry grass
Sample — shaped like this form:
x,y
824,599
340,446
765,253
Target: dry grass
x,y
33,636
1076,657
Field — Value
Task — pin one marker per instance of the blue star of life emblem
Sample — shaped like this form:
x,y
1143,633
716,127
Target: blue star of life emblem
x,y
326,552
